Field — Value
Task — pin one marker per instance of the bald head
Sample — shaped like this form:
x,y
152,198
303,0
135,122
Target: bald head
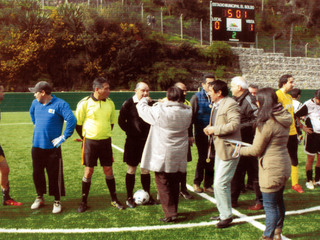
x,y
182,87
142,90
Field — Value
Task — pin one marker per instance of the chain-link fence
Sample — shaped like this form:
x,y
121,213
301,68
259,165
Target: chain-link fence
x,y
197,31
300,46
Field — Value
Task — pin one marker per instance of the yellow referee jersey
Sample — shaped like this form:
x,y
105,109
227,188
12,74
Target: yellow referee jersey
x,y
96,117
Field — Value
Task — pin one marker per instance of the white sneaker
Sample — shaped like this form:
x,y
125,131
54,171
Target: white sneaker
x,y
39,202
56,207
310,185
317,183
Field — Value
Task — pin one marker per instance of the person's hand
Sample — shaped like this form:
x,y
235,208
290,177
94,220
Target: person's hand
x,y
209,130
58,141
191,141
236,151
307,130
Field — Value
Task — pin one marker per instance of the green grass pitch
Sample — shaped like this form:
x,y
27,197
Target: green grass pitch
x,y
16,139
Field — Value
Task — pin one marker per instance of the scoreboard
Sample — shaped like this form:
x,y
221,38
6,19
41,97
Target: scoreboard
x,y
234,22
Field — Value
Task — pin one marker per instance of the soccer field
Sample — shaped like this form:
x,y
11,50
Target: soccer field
x,y
104,221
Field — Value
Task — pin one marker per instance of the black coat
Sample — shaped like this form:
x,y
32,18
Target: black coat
x,y
248,110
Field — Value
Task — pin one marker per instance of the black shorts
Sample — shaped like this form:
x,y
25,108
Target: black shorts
x,y
94,149
1,152
312,145
293,149
133,151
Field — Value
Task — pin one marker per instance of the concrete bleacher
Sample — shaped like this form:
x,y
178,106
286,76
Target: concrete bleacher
x,y
264,69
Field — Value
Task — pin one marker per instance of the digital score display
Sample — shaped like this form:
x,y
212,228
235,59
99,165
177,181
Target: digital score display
x,y
233,22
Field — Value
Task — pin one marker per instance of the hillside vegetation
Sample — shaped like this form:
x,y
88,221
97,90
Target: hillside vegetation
x,y
71,44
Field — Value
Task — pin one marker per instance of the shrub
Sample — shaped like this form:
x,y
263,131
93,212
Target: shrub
x,y
219,53
184,51
165,74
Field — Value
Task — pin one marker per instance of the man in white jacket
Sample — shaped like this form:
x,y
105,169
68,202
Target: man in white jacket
x,y
166,149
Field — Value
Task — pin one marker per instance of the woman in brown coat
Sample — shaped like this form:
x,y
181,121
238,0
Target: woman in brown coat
x,y
270,144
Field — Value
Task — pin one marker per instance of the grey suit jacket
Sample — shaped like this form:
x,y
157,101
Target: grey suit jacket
x,y
226,126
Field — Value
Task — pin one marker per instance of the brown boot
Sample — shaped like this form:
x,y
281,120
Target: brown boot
x,y
277,234
263,237
197,188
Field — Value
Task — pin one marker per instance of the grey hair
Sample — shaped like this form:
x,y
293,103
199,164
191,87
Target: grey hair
x,y
240,81
139,85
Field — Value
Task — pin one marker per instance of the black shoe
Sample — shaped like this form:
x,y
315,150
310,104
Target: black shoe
x,y
152,201
249,187
83,207
234,205
215,218
131,203
168,219
224,223
186,195
117,204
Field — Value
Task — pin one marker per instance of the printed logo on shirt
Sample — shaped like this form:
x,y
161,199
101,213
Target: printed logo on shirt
x,y
51,111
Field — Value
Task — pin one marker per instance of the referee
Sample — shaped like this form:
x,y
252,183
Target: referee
x,y
95,120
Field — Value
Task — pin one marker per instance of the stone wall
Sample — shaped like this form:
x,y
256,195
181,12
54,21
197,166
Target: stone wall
x,y
265,69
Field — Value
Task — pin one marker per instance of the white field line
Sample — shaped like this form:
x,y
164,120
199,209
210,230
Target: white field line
x,y
116,147
148,228
242,218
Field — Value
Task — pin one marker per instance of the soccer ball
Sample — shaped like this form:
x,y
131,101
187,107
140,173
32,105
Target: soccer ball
x,y
141,197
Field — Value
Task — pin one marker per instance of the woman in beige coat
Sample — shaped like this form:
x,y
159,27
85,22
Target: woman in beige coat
x,y
270,144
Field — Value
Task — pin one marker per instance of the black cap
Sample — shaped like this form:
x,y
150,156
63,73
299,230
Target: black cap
x,y
43,85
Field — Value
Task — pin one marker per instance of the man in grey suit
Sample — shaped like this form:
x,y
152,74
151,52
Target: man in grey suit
x,y
224,124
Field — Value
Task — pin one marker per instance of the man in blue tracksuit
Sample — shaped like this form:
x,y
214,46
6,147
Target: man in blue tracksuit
x,y
48,114
201,109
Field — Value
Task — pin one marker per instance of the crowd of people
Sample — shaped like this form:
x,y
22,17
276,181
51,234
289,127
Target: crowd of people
x,y
254,132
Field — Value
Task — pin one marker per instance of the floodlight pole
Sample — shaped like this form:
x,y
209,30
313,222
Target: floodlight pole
x,y
291,28
274,43
210,17
201,32
141,12
161,20
306,50
181,25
